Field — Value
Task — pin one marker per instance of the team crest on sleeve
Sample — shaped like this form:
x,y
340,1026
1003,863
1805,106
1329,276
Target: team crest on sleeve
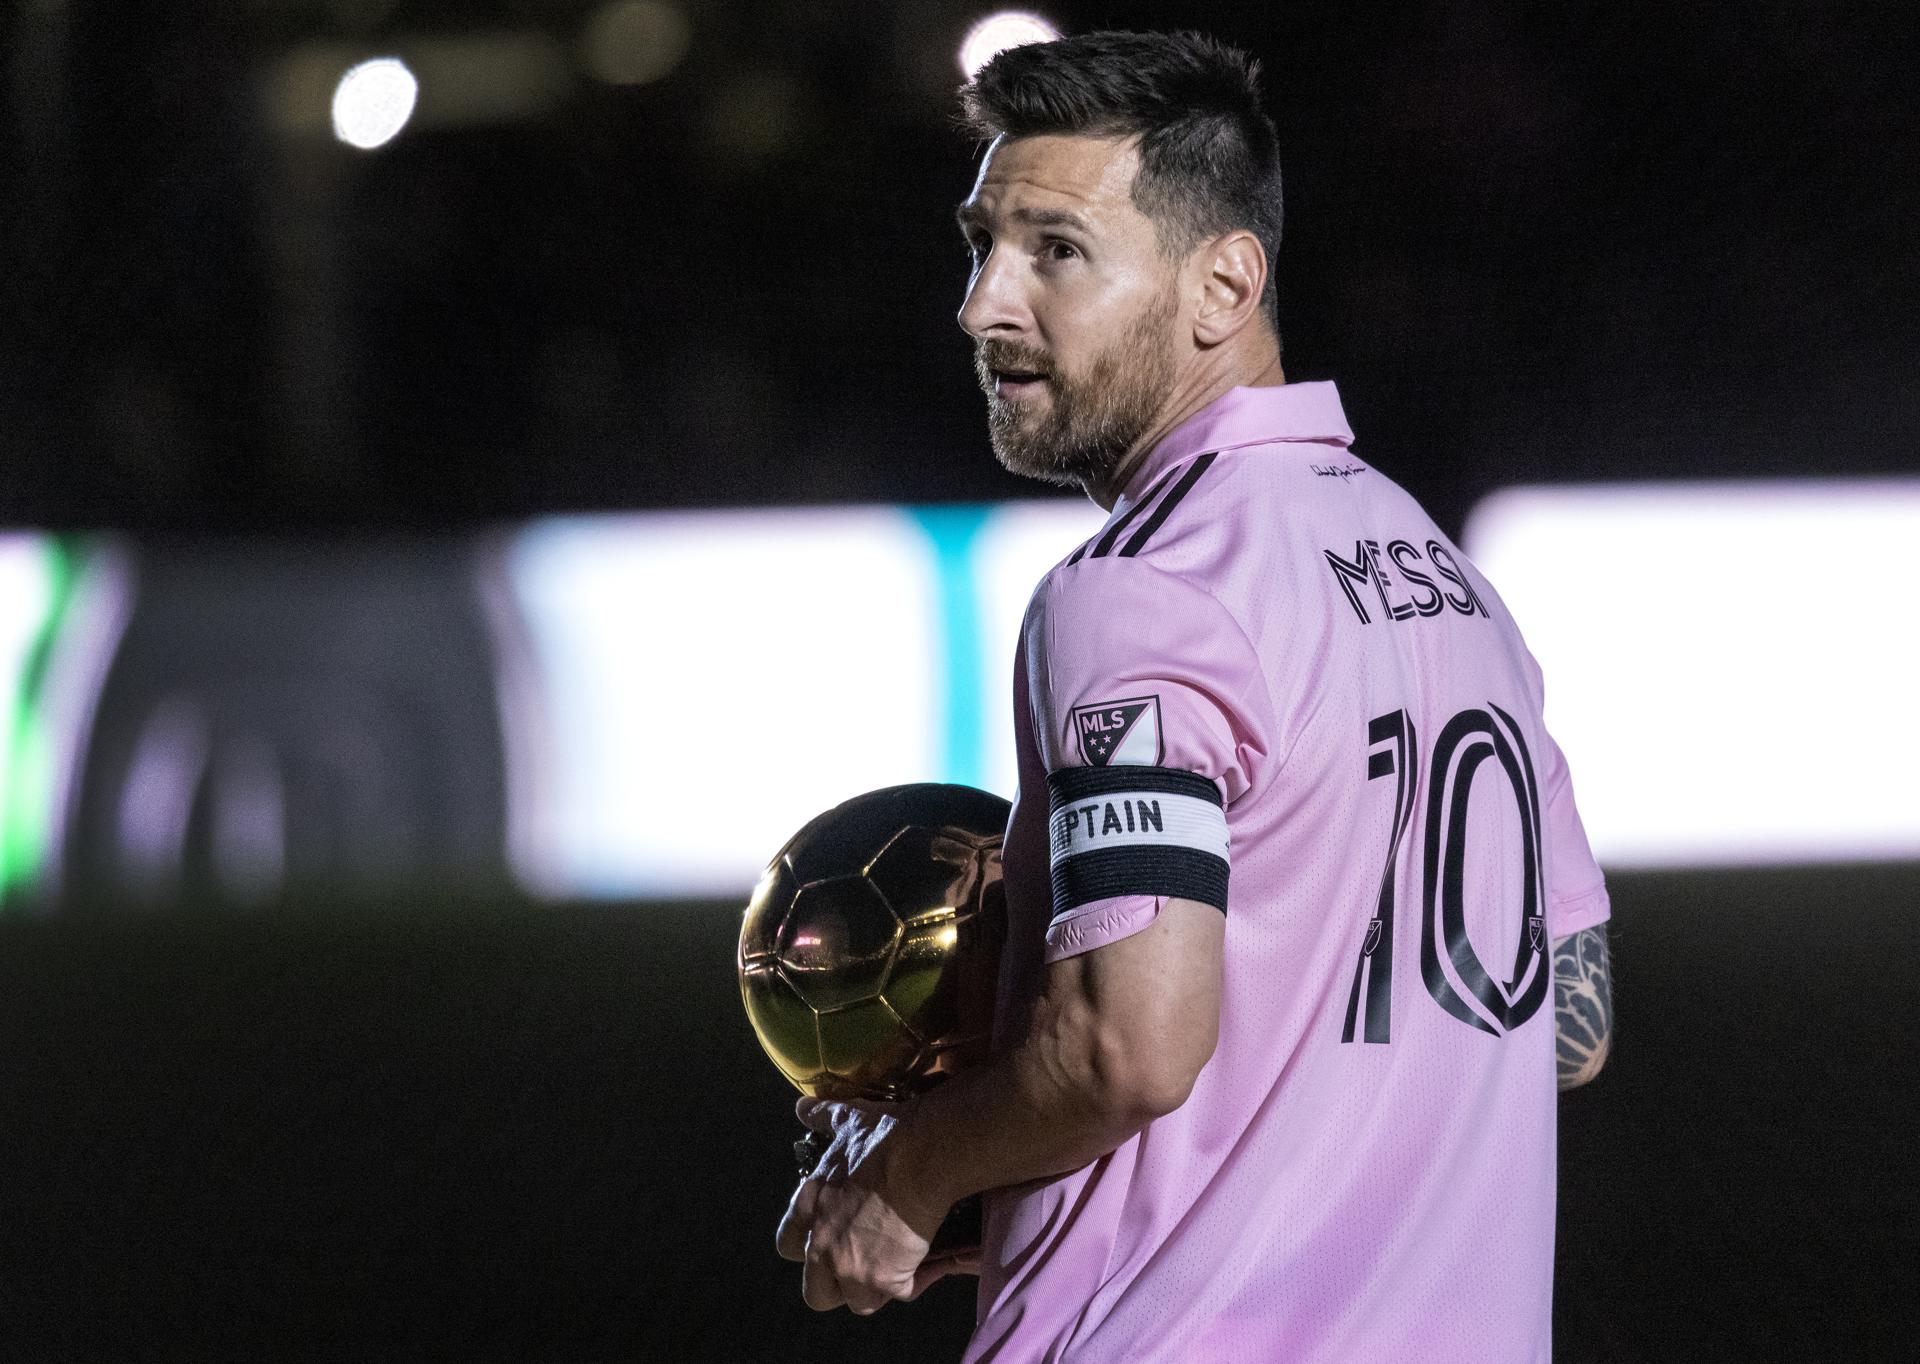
x,y
1119,733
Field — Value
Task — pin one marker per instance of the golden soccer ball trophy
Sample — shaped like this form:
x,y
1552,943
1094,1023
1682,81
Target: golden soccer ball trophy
x,y
869,953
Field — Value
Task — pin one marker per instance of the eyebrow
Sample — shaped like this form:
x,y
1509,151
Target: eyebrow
x,y
968,215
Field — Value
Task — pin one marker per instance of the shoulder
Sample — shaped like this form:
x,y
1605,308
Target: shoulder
x,y
1227,526
1180,498
1114,624
1158,578
1217,516
1119,598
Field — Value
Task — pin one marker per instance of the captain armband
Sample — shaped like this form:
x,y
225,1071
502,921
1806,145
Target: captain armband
x,y
1135,831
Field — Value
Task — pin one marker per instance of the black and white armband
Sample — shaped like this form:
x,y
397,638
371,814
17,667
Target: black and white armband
x,y
1135,831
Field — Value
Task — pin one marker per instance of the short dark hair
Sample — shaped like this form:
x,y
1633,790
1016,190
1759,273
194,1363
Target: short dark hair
x,y
1209,155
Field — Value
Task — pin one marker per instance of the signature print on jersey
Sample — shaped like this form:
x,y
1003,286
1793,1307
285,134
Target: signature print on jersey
x,y
1119,733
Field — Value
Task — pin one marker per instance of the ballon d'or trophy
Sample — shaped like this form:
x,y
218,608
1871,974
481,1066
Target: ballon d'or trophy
x,y
870,953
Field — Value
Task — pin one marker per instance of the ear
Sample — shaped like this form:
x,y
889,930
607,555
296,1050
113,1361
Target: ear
x,y
1232,277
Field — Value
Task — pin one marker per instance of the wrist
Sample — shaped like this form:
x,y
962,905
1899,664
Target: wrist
x,y
915,1177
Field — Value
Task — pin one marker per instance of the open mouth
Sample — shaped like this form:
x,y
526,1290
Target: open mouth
x,y
1012,383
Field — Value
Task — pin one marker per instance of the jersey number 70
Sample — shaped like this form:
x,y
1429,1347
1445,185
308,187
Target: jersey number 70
x,y
1469,993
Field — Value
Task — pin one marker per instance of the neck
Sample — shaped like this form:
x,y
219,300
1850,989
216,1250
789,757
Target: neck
x,y
1202,384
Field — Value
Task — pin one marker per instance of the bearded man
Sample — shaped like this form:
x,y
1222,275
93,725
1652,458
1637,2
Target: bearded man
x,y
1304,1111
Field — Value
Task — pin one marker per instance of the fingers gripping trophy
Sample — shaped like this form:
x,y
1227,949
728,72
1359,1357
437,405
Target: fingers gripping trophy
x,y
870,952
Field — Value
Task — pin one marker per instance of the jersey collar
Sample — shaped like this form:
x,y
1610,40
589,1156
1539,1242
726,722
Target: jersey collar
x,y
1247,416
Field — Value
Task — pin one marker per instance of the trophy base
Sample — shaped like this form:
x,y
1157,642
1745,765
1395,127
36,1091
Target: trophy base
x,y
959,1234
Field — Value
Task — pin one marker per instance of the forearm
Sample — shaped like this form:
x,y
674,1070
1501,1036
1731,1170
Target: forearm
x,y
1041,1109
1117,1037
1582,1005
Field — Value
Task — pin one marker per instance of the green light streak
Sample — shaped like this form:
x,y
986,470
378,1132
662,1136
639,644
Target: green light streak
x,y
26,793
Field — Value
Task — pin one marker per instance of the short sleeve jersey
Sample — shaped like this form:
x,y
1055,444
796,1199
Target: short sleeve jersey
x,y
1364,1170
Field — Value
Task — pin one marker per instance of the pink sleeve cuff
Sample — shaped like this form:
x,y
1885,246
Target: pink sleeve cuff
x,y
1578,913
1099,923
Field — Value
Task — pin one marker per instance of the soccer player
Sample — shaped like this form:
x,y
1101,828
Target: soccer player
x,y
1299,900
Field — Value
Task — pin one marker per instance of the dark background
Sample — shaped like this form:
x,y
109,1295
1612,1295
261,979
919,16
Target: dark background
x,y
467,1132
1532,241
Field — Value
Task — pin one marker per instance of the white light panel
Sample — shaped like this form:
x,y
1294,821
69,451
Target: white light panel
x,y
711,682
1014,549
1731,668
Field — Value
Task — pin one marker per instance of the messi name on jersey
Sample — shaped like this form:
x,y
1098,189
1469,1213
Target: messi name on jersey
x,y
1426,597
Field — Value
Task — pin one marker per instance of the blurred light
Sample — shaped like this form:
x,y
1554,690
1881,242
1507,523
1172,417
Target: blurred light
x,y
26,594
1018,544
26,600
489,78
631,42
373,102
1729,667
464,80
711,682
249,821
156,803
82,594
998,32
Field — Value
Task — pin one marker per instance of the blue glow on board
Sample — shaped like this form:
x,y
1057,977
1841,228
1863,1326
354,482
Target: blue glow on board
x,y
961,666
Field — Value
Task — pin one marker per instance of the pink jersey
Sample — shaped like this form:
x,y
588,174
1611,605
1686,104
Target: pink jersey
x,y
1365,1169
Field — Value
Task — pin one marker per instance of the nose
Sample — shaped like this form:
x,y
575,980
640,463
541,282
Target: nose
x,y
993,306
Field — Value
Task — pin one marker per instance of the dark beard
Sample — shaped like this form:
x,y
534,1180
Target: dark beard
x,y
1091,423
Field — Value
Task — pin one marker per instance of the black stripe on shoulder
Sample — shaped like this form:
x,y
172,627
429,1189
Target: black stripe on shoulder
x,y
1168,503
1112,533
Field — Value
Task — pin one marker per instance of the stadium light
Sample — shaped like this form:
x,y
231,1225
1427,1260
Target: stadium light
x,y
998,32
373,102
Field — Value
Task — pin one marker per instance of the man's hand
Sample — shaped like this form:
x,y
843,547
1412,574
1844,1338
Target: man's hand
x,y
1117,1037
863,1240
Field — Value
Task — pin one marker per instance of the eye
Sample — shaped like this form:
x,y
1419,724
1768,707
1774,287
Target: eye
x,y
1058,248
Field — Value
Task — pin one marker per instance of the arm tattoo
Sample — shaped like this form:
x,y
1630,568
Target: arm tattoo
x,y
1582,1005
